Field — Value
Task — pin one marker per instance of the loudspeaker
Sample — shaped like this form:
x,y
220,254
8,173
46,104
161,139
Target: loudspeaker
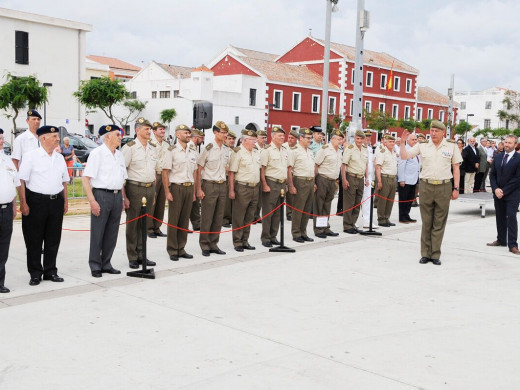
x,y
203,115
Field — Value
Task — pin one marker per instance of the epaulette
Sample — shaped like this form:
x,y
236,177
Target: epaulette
x,y
294,147
192,147
226,145
209,146
382,150
283,146
237,149
171,148
131,143
325,146
451,141
267,146
364,146
351,147
151,143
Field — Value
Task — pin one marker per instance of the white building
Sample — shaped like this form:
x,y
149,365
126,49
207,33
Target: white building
x,y
54,51
481,108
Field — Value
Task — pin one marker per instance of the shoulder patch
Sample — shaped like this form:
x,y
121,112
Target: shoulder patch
x,y
209,146
237,149
131,143
294,147
150,142
226,145
192,147
267,146
382,150
351,147
171,148
364,146
325,146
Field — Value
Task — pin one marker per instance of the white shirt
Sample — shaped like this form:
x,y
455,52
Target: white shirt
x,y
8,179
42,173
24,143
490,151
106,169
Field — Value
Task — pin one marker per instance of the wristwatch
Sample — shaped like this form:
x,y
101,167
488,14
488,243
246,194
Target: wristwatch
x,y
456,188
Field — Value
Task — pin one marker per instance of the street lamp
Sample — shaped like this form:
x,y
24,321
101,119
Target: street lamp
x,y
45,105
467,126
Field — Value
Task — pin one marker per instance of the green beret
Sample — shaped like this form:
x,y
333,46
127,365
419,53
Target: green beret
x,y
420,135
156,125
437,125
389,137
337,133
359,133
261,133
231,134
182,127
221,126
305,131
197,132
294,133
249,133
143,122
277,129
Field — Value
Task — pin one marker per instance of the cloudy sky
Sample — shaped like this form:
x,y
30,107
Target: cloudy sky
x,y
477,40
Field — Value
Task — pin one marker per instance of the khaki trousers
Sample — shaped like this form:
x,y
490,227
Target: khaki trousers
x,y
212,212
302,201
322,200
270,200
178,215
352,197
384,207
243,210
195,215
154,226
134,241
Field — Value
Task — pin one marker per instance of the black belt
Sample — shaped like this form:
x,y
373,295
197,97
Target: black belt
x,y
4,206
107,190
44,196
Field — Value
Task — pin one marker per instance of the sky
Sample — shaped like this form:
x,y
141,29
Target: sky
x,y
476,40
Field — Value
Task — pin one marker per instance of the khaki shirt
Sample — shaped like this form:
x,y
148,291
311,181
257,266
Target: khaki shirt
x,y
388,161
214,160
436,161
302,161
181,163
140,161
328,161
275,162
355,159
246,165
161,150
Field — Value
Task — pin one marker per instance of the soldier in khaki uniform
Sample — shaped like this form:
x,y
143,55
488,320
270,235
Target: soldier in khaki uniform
x,y
292,140
353,171
273,175
211,189
244,179
154,226
386,176
179,165
140,160
197,139
226,222
300,180
261,139
328,164
439,157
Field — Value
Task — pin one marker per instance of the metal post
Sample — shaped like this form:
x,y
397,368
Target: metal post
x,y
145,272
282,247
371,231
326,65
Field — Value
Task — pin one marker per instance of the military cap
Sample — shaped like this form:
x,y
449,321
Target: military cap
x,y
220,126
107,129
359,133
34,113
437,125
156,125
420,135
294,133
1,131
389,137
231,134
182,127
305,131
197,132
277,129
261,133
46,130
368,133
248,133
143,122
337,133
316,129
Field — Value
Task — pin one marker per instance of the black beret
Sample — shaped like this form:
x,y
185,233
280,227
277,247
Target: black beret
x,y
316,129
1,131
34,113
108,128
47,129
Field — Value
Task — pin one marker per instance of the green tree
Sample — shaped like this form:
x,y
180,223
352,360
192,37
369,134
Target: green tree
x,y
167,116
134,108
379,120
408,124
462,128
512,108
102,93
19,93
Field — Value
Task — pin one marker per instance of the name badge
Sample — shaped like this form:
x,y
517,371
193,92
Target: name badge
x,y
447,153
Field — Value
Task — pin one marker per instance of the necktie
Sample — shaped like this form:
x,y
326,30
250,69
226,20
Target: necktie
x,y
504,161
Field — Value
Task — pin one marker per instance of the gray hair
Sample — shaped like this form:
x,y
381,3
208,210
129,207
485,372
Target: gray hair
x,y
512,136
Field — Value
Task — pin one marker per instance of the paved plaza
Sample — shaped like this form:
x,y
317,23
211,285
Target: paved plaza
x,y
349,312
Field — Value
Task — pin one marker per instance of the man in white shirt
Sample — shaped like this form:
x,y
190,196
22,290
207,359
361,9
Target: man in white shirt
x,y
28,140
43,202
103,181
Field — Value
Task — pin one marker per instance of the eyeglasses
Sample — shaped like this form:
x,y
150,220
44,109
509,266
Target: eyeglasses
x,y
309,137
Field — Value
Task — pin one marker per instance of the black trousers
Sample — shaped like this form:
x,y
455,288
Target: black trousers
x,y
42,227
507,225
339,208
405,193
479,178
6,230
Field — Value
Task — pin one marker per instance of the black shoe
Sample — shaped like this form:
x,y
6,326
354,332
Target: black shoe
x,y
152,235
351,231
174,257
34,281
96,274
239,248
436,261
267,244
226,225
424,260
249,247
299,239
385,224
160,234
205,253
412,220
321,235
275,242
404,221
217,251
186,256
133,264
331,234
391,224
4,290
149,263
307,238
111,271
53,278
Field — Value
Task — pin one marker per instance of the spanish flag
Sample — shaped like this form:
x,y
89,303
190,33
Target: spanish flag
x,y
390,79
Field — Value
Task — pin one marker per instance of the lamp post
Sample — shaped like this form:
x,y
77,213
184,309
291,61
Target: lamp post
x,y
467,127
45,105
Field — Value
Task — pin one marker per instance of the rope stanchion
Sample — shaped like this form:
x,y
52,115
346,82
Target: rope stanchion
x,y
282,247
371,231
144,272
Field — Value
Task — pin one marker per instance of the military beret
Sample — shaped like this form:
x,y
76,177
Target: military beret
x,y
143,122
389,137
231,134
277,129
261,133
220,126
294,133
249,133
316,129
34,113
337,133
420,135
182,127
46,130
1,131
359,133
107,129
437,125
368,133
305,131
198,132
156,125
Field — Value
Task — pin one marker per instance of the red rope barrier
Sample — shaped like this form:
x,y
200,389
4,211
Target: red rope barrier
x,y
88,230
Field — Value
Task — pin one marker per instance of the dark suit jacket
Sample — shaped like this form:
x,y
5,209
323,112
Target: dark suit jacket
x,y
507,178
469,159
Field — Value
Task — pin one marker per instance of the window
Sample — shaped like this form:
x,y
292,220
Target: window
x,y
134,95
488,105
430,113
352,107
21,53
441,116
352,80
164,94
295,128
487,123
396,83
154,94
384,79
382,107
462,105
408,85
368,106
406,112
296,101
315,103
332,105
176,93
237,120
507,124
277,99
370,77
94,77
418,117
395,111
252,97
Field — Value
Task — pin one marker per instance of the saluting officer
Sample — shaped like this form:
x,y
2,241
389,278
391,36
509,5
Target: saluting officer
x,y
43,201
328,165
140,160
273,174
300,179
103,181
438,158
226,221
9,182
211,189
292,140
386,173
154,226
197,139
244,179
353,171
28,140
179,165
261,139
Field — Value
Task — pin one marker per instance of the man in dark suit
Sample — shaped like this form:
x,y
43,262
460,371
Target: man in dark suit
x,y
505,183
470,164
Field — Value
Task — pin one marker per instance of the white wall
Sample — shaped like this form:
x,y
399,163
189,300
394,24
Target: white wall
x,y
476,103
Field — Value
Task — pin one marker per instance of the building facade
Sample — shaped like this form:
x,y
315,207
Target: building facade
x,y
481,108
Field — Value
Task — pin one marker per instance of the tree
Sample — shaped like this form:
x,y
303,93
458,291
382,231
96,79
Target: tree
x,y
408,124
512,108
167,116
102,93
21,92
134,108
379,120
462,128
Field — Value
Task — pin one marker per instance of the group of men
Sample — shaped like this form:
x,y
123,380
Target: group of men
x,y
476,163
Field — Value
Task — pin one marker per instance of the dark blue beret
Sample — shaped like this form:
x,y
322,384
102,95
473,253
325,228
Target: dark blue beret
x,y
47,130
1,131
34,113
316,129
108,128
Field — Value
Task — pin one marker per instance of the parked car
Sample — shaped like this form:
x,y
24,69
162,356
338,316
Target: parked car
x,y
82,146
126,140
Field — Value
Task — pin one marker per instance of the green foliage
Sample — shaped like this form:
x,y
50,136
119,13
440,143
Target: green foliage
x,y
482,133
512,103
378,120
134,108
426,124
408,124
462,128
102,93
344,126
19,93
168,115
